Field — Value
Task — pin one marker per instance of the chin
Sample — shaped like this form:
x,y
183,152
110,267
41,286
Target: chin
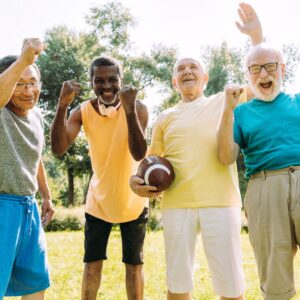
x,y
108,101
268,97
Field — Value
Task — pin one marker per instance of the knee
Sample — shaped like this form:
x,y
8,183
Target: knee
x,y
134,269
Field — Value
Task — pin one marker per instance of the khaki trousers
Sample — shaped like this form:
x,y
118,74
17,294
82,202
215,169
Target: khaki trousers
x,y
272,205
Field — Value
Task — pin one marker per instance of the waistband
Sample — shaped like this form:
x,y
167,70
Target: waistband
x,y
284,171
12,197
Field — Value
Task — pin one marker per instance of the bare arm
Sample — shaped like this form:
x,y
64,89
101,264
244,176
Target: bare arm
x,y
227,149
9,78
47,205
251,25
137,120
63,131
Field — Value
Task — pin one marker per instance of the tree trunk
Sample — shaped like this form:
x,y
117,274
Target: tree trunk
x,y
70,187
87,188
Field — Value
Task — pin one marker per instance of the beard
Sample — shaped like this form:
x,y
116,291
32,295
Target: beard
x,y
267,97
106,102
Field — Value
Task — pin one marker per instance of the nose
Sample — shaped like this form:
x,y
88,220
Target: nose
x,y
106,85
28,90
187,71
263,73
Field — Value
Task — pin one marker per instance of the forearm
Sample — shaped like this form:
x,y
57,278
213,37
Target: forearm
x,y
136,138
59,136
257,37
42,182
9,79
227,152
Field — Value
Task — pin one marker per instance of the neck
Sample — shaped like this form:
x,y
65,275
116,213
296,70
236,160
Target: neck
x,y
191,97
19,112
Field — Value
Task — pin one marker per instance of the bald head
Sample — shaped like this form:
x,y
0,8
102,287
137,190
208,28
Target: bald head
x,y
184,60
261,51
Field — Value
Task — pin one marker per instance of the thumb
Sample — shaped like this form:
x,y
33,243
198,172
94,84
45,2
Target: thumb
x,y
240,27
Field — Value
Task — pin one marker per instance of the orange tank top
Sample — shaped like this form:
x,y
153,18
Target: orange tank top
x,y
109,196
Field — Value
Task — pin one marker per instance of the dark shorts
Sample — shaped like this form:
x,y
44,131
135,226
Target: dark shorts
x,y
97,234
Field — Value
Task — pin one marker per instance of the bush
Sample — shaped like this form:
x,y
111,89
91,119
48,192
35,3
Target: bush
x,y
69,223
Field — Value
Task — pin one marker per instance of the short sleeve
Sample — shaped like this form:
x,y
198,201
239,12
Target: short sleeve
x,y
237,130
157,145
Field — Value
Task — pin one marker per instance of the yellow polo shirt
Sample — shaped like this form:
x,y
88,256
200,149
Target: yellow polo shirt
x,y
186,135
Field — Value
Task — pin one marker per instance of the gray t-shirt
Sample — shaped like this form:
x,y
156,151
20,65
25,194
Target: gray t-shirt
x,y
21,145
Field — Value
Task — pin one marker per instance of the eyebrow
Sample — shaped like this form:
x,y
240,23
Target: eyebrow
x,y
31,79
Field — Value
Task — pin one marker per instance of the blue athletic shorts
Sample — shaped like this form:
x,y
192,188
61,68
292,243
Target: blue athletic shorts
x,y
23,258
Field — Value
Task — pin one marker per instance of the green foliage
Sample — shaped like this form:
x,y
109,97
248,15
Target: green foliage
x,y
292,58
224,66
69,223
111,24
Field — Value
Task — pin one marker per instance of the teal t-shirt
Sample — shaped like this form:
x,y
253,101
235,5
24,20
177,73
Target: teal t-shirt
x,y
269,133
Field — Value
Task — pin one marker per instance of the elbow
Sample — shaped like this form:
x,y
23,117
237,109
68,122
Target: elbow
x,y
225,159
139,154
58,151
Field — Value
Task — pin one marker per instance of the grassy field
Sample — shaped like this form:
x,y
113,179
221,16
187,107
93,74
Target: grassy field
x,y
66,252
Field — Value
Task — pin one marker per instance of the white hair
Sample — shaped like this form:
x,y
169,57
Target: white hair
x,y
186,57
264,47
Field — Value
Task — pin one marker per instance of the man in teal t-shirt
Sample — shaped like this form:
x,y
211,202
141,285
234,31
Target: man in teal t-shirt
x,y
267,130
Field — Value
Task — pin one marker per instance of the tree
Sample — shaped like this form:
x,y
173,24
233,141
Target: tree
x,y
68,56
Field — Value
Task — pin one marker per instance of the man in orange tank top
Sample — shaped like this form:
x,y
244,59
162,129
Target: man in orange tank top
x,y
114,123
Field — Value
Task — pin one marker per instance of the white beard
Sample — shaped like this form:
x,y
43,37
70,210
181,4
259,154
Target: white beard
x,y
268,98
107,103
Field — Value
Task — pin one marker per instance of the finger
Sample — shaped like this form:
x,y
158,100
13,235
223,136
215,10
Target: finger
x,y
239,26
137,179
242,16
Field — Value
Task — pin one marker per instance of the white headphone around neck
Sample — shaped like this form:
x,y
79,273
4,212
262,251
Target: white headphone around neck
x,y
109,111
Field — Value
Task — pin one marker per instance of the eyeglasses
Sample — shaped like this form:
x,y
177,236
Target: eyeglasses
x,y
22,86
269,67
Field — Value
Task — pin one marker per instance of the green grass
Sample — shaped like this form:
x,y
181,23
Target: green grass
x,y
66,251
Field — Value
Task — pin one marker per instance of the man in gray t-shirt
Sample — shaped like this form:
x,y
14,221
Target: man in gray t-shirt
x,y
23,261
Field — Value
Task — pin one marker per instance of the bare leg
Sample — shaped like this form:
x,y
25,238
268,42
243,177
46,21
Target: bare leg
x,y
238,298
91,280
185,296
35,296
134,282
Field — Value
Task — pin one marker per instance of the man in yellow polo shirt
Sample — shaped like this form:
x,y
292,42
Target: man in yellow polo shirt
x,y
114,123
205,194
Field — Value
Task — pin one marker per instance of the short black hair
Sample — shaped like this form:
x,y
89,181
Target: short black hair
x,y
8,60
105,61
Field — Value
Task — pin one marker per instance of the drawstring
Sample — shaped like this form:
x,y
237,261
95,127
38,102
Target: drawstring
x,y
29,211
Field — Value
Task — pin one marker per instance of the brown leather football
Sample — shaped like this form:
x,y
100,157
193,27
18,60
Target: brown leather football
x,y
156,171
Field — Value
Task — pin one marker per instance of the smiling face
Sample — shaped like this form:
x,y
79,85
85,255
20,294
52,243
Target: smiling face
x,y
265,84
106,83
189,78
26,92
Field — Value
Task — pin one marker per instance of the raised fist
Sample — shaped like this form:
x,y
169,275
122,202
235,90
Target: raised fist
x,y
127,97
232,95
69,90
31,48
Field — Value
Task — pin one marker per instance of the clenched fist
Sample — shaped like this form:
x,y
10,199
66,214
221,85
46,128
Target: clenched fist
x,y
127,97
31,48
232,95
69,90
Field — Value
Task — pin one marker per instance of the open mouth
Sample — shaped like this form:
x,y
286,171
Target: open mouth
x,y
266,85
188,79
